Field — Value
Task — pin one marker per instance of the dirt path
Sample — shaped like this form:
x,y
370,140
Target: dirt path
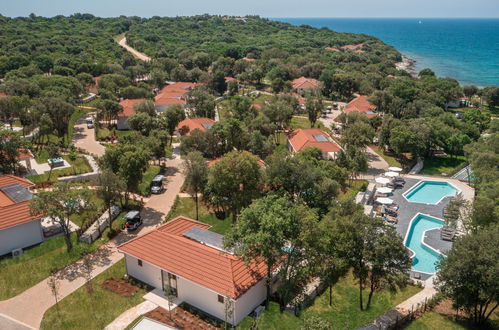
x,y
134,52
26,310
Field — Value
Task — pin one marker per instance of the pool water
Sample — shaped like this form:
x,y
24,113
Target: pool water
x,y
425,258
430,192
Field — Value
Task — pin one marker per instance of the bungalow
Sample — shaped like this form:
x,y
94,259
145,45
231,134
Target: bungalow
x,y
175,93
462,102
313,137
184,259
352,47
186,126
128,110
303,84
362,105
332,49
18,228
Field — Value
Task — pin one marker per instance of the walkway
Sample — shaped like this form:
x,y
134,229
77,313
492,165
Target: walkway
x,y
29,306
84,137
127,317
134,52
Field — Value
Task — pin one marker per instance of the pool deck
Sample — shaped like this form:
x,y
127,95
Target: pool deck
x,y
407,210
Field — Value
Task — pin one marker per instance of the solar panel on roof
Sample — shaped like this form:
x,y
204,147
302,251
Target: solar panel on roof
x,y
320,138
17,193
207,126
206,237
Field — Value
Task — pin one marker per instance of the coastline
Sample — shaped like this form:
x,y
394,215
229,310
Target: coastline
x,y
407,64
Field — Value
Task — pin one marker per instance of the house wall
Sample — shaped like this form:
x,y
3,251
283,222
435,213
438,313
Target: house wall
x,y
20,236
122,123
197,295
249,301
148,273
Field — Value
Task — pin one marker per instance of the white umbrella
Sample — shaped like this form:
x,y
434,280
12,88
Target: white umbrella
x,y
384,190
395,169
382,180
391,174
384,200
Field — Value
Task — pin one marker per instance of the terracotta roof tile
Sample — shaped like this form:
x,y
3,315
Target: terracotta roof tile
x,y
128,107
12,213
362,105
167,249
175,93
306,137
352,47
305,83
186,126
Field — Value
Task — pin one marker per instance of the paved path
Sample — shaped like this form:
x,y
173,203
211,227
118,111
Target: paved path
x,y
127,317
134,52
377,165
84,138
28,307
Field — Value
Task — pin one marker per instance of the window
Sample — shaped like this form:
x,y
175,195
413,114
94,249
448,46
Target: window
x,y
220,299
139,262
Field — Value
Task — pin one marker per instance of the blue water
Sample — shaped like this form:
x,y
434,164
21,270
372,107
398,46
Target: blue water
x,y
463,49
425,258
430,192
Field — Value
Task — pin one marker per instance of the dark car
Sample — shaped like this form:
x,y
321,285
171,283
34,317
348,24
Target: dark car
x,y
133,220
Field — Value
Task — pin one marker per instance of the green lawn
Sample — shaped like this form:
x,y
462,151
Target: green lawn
x,y
300,122
445,166
433,320
19,274
91,215
352,189
149,174
344,312
78,166
186,206
388,157
84,310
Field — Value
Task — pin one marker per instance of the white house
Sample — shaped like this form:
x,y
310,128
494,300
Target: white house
x,y
186,259
18,228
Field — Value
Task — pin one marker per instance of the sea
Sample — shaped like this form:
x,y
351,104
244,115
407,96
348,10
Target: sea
x,y
466,49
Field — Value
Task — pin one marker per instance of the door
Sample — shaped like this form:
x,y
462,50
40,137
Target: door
x,y
169,283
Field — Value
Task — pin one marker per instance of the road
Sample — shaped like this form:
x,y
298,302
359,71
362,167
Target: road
x,y
134,52
84,137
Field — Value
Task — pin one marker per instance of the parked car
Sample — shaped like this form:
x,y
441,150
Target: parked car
x,y
157,184
133,220
90,123
335,106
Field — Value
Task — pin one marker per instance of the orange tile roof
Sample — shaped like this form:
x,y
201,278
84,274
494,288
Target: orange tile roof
x,y
128,107
12,213
219,271
333,49
361,104
231,79
186,126
305,83
175,93
3,95
256,105
247,59
305,137
24,154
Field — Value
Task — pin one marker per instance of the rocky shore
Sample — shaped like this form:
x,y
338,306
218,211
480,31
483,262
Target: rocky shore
x,y
407,64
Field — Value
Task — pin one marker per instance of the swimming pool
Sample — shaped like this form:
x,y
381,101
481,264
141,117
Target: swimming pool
x,y
430,192
425,258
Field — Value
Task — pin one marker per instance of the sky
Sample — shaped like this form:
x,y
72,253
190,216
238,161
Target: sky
x,y
264,8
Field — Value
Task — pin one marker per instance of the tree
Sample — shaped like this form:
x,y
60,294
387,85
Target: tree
x,y
196,176
10,146
269,230
491,95
468,275
470,90
233,182
132,165
172,117
58,204
232,88
109,110
375,252
109,189
201,103
143,123
314,107
426,73
145,107
343,85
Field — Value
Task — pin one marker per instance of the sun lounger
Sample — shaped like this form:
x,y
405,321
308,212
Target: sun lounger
x,y
447,233
389,219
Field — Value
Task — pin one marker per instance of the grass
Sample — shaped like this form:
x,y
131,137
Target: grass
x,y
444,165
300,122
388,157
84,310
352,189
186,206
433,320
78,166
149,174
92,214
344,312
